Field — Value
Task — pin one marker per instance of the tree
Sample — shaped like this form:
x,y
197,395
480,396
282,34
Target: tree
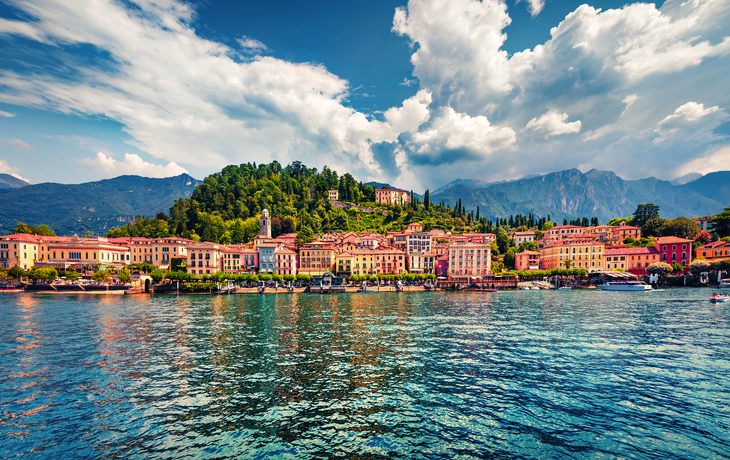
x,y
101,275
568,264
722,223
703,237
699,266
677,267
681,227
659,268
509,259
42,230
17,272
304,236
71,276
125,276
503,243
653,226
644,212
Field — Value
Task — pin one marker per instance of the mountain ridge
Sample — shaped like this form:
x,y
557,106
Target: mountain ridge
x,y
94,206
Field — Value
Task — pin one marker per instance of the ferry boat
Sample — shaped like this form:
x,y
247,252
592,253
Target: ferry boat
x,y
719,298
625,286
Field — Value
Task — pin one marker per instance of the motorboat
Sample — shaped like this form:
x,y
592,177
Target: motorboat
x,y
719,298
565,287
725,283
625,286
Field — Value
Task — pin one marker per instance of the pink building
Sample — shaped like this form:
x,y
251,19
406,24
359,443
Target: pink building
x,y
469,260
286,262
527,260
392,196
673,249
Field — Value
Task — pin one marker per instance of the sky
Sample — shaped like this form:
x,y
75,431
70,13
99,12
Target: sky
x,y
414,93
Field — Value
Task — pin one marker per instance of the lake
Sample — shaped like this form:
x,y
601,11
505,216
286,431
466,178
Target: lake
x,y
521,374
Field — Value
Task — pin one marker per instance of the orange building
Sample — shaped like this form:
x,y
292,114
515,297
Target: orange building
x,y
632,260
527,260
379,261
317,258
714,251
623,231
585,253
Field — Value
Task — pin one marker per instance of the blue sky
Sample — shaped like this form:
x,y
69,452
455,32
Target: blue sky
x,y
416,93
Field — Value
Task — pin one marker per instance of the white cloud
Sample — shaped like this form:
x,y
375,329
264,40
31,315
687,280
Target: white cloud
x,y
211,110
5,168
132,165
6,114
452,136
16,143
412,114
691,122
535,6
718,160
553,123
251,44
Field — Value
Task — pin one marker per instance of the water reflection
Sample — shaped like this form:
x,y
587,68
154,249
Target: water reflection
x,y
432,375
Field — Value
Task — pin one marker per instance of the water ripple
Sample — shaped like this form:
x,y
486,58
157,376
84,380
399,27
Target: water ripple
x,y
570,374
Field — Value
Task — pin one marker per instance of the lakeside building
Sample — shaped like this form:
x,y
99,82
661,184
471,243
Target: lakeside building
x,y
19,250
713,251
204,258
632,260
344,262
383,260
562,231
527,260
674,250
418,242
623,231
316,259
78,253
422,262
585,253
469,260
154,251
392,197
522,237
267,258
286,261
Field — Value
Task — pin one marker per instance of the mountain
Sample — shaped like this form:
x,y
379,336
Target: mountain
x,y
8,181
685,179
468,183
570,194
714,185
93,206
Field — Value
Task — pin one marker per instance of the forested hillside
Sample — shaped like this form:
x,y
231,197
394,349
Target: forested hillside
x,y
225,208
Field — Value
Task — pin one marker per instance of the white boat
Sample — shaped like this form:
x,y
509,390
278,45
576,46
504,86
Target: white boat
x,y
719,298
725,283
625,286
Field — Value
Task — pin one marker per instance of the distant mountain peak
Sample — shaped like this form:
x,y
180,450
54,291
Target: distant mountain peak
x,y
686,179
8,181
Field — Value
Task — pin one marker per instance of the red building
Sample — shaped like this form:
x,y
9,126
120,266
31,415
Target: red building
x,y
674,250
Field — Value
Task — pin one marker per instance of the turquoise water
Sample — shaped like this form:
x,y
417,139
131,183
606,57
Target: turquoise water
x,y
524,374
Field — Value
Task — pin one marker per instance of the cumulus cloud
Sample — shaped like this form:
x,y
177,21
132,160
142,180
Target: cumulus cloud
x,y
412,114
718,160
553,123
16,143
6,114
5,168
211,110
132,165
452,136
691,122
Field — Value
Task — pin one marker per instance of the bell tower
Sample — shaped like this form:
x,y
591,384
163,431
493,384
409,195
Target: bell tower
x,y
265,224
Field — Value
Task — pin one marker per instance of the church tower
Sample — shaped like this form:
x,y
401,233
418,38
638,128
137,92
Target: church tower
x,y
265,224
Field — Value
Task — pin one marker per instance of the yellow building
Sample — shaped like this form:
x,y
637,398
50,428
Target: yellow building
x,y
344,263
317,258
20,250
582,253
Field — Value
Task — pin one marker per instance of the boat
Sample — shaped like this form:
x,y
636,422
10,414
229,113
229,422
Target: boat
x,y
725,283
625,286
565,287
719,298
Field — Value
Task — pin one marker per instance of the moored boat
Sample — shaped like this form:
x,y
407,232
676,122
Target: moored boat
x,y
625,286
725,283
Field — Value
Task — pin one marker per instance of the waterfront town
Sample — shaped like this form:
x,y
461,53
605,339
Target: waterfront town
x,y
350,255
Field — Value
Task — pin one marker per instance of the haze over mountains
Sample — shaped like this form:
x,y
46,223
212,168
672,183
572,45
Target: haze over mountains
x,y
93,206
99,206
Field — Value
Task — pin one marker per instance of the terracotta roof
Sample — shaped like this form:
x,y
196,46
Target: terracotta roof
x,y
625,250
671,240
